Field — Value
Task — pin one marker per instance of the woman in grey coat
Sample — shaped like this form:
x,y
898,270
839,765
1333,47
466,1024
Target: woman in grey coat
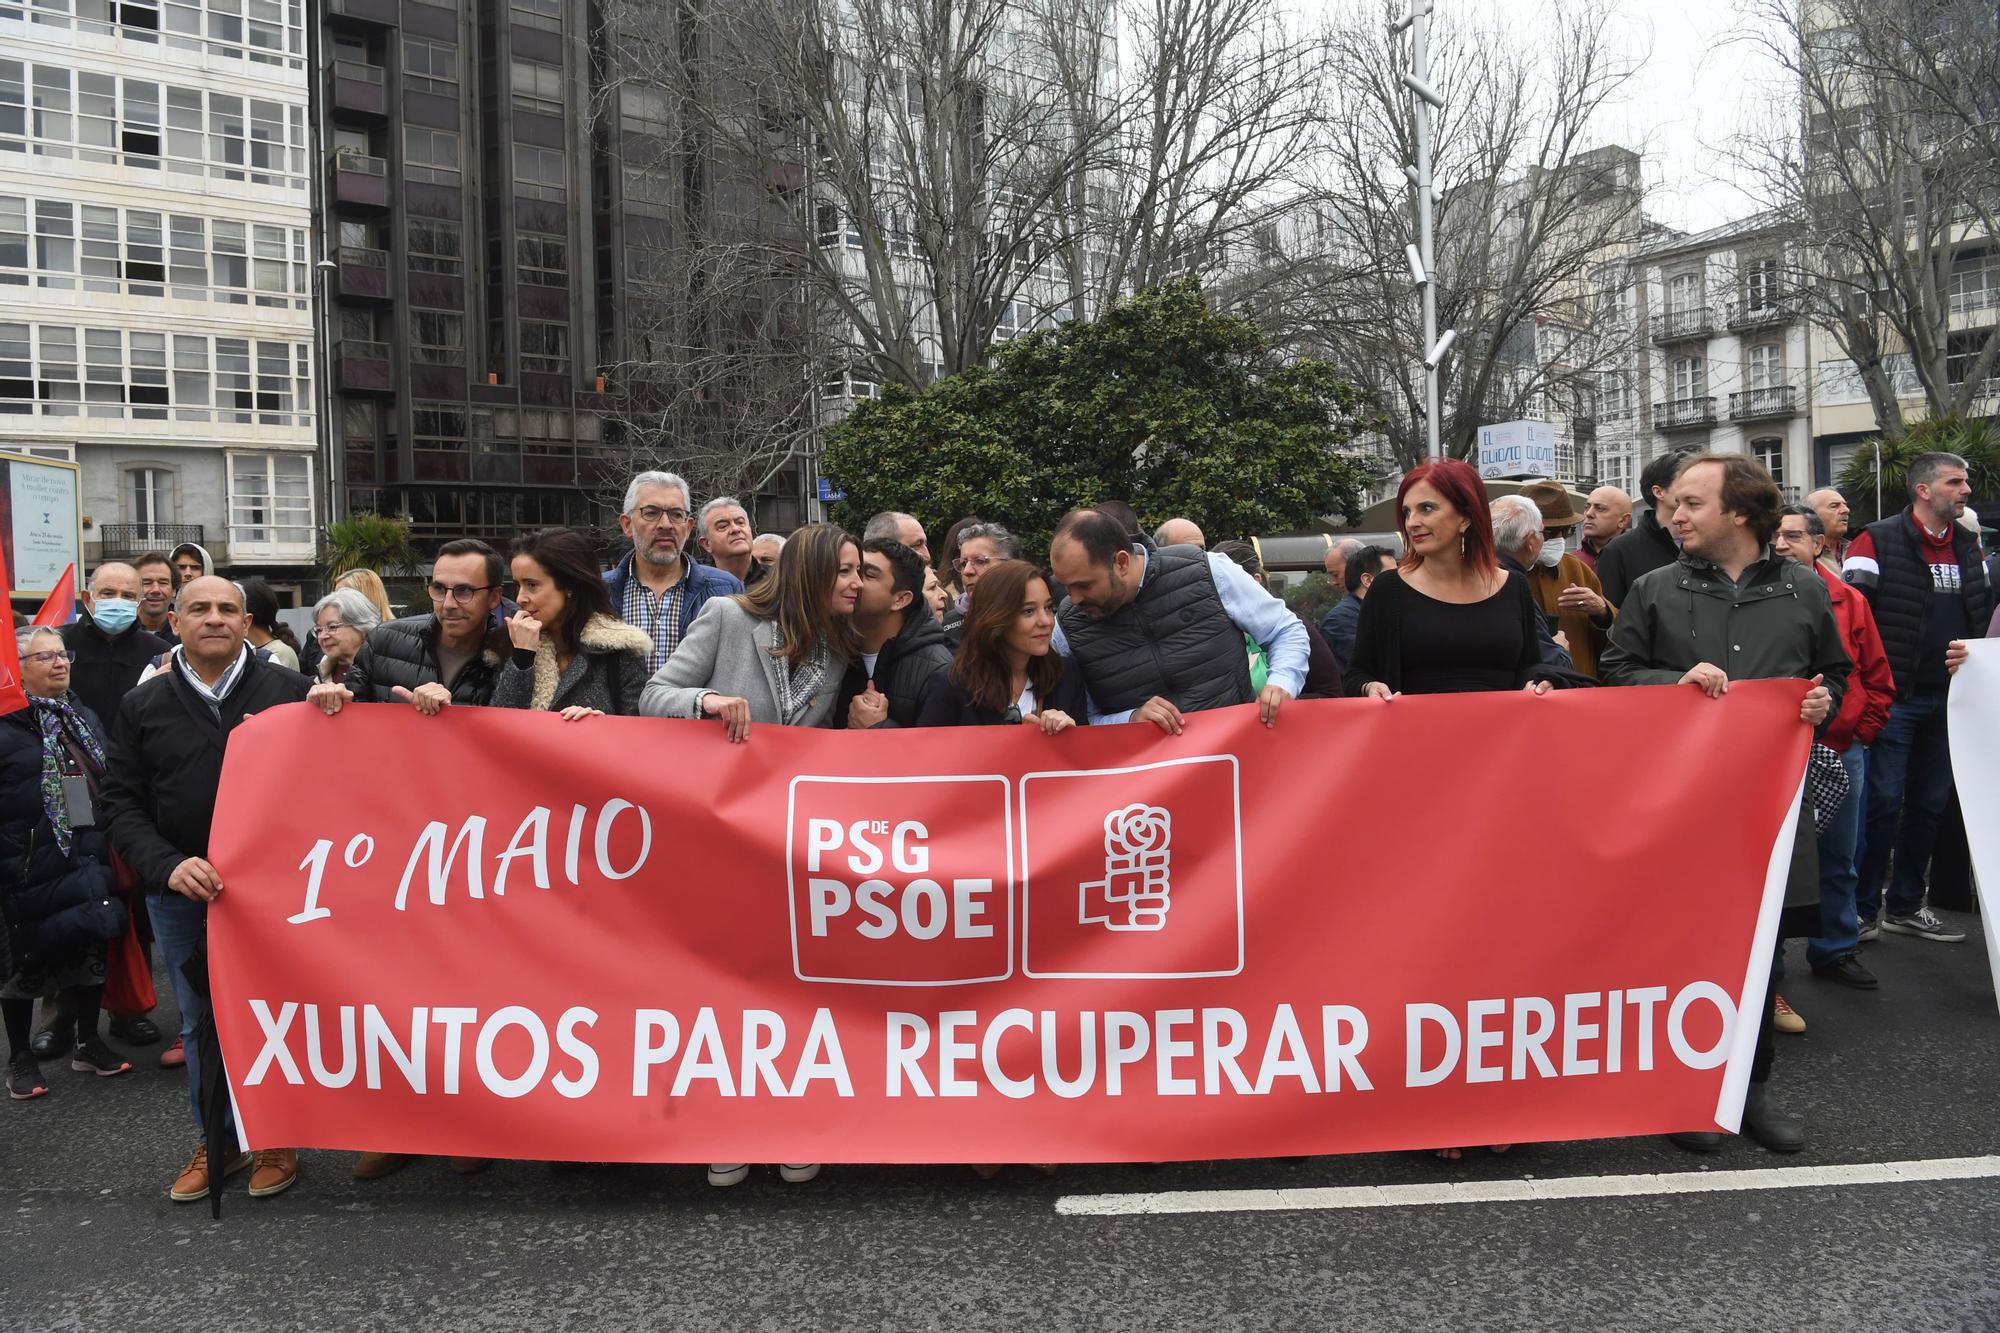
x,y
571,655
774,654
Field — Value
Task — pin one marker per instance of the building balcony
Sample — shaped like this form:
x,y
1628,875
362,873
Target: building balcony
x,y
1777,400
363,274
129,541
360,181
1683,325
363,14
358,90
1684,414
363,367
1771,311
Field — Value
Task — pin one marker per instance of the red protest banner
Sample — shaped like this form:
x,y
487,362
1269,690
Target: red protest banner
x,y
13,694
498,934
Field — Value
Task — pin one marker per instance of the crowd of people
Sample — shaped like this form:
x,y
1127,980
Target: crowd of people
x,y
111,772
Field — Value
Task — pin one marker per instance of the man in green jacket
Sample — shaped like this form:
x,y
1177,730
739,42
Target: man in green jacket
x,y
1728,609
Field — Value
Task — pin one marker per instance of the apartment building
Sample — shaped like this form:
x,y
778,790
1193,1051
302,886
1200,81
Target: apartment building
x,y
1727,365
156,268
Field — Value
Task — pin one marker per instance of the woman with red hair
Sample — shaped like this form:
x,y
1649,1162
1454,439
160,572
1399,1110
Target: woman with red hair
x,y
1449,619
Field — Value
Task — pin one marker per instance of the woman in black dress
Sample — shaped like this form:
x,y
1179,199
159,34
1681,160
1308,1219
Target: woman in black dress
x,y
1449,619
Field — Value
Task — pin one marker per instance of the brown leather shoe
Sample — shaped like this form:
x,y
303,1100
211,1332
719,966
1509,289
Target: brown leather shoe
x,y
375,1165
470,1166
193,1182
275,1171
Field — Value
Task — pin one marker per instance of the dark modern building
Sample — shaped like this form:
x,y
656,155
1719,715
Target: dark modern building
x,y
482,230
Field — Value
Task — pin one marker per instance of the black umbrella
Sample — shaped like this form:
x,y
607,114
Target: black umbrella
x,y
214,1086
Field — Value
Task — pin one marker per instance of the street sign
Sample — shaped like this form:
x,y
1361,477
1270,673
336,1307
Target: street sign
x,y
827,494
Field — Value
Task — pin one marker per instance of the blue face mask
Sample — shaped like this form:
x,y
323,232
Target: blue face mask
x,y
114,615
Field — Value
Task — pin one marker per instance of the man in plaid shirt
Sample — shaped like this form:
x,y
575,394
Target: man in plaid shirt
x,y
657,586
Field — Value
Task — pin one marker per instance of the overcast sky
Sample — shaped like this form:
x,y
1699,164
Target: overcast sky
x,y
1701,81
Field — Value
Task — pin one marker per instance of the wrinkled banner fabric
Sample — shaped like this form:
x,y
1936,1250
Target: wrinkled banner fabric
x,y
1377,926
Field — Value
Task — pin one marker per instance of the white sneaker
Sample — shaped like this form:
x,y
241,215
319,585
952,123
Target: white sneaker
x,y
724,1174
798,1175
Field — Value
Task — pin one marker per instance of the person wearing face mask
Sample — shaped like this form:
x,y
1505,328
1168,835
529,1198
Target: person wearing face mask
x,y
1567,590
111,647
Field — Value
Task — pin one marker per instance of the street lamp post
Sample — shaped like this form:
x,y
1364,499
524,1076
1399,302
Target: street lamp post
x,y
1423,261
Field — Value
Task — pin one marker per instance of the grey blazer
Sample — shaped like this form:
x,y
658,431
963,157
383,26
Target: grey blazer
x,y
725,651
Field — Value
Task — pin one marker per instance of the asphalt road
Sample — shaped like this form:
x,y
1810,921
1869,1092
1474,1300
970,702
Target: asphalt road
x,y
89,1239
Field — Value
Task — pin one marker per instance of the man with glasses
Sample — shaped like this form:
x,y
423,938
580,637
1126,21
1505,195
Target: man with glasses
x,y
451,656
657,587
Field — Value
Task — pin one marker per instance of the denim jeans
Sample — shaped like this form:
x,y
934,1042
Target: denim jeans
x,y
1909,786
1839,841
180,927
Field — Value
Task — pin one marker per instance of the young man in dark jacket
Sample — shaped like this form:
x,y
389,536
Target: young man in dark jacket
x,y
903,648
1922,575
1649,543
1732,609
165,763
451,656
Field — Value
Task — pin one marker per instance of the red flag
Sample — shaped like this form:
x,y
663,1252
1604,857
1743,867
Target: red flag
x,y
60,608
13,697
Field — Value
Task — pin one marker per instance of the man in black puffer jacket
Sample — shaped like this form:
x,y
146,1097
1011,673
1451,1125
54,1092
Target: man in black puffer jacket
x,y
904,650
165,764
451,656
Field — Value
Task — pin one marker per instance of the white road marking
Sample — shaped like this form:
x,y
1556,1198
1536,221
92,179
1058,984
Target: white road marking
x,y
1527,1191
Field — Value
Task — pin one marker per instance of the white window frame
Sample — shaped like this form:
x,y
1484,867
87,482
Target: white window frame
x,y
243,546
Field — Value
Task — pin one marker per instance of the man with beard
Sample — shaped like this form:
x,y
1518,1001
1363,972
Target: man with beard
x,y
657,587
156,592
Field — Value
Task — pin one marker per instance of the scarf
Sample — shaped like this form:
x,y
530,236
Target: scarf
x,y
55,716
796,691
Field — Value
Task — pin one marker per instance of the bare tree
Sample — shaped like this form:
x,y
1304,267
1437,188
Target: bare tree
x,y
1530,218
1885,164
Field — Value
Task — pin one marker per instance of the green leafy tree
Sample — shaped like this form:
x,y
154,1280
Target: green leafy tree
x,y
1161,402
364,540
1977,442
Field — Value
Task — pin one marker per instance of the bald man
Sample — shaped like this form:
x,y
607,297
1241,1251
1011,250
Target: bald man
x,y
159,800
1179,532
111,647
1337,556
1831,506
1608,513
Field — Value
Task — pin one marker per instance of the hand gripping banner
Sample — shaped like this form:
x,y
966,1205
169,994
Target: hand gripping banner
x,y
1377,926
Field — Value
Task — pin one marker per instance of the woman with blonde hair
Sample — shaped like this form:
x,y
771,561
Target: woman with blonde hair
x,y
369,584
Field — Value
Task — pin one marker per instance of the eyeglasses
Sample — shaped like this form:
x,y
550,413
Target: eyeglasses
x,y
967,562
654,513
462,594
49,658
325,630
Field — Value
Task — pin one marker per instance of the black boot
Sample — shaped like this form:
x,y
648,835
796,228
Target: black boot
x,y
58,1033
1768,1125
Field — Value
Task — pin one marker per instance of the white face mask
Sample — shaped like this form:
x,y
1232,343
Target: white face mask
x,y
1551,554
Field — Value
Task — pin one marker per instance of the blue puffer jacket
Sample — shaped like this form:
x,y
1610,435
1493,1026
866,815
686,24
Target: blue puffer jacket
x,y
45,894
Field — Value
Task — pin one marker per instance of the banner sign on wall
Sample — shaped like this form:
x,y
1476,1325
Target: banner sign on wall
x,y
498,934
41,534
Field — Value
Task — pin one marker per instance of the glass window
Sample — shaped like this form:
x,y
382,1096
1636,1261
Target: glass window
x,y
60,389
145,254
538,87
543,261
540,173
191,386
434,246
103,373
1683,293
148,389
227,133
187,267
13,241
232,380
1690,377
185,151
55,243
430,155
50,121
13,106
1771,453
149,495
544,346
438,338
270,501
430,66
1766,366
17,371
232,261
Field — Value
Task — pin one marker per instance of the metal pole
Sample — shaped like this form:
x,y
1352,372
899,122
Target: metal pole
x,y
1420,67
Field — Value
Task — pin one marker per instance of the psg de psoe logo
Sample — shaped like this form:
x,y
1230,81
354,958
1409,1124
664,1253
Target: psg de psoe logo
x,y
1137,888
1133,872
